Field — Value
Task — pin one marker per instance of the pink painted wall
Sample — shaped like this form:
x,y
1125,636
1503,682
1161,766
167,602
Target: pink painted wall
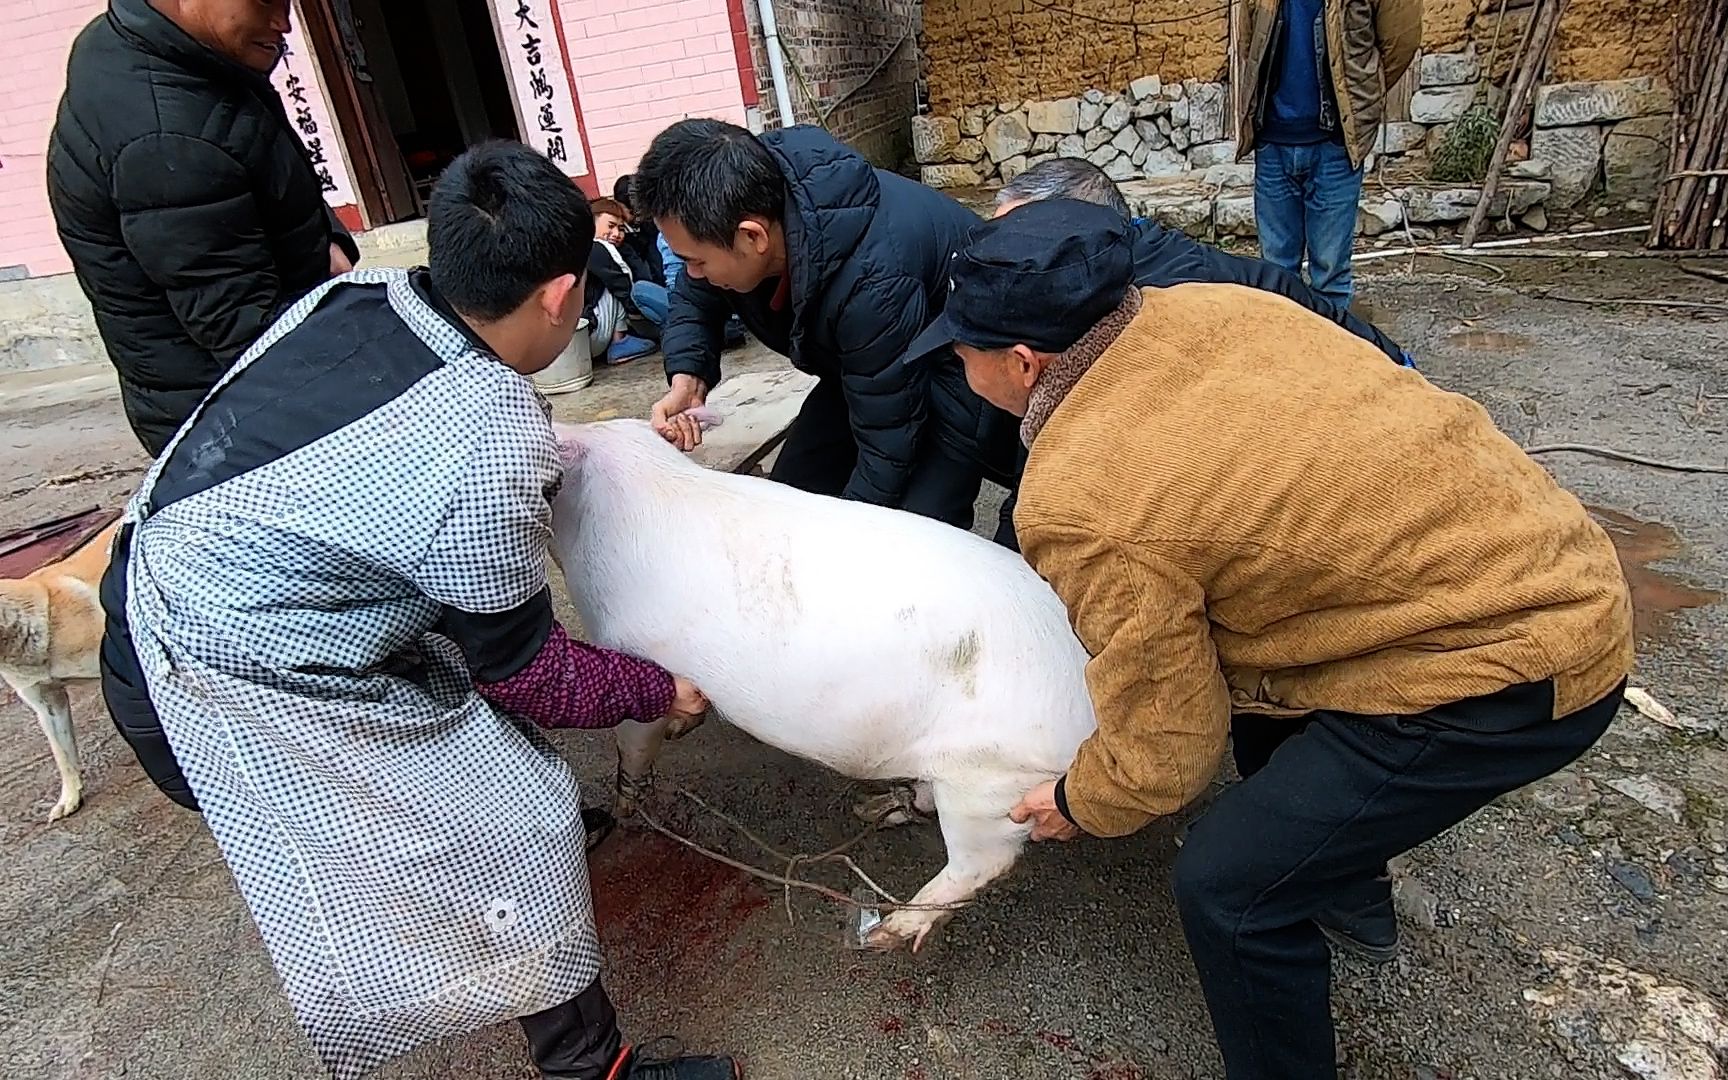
x,y
638,69
38,34
641,67
37,37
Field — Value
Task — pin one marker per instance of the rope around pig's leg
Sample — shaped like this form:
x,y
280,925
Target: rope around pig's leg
x,y
835,854
786,881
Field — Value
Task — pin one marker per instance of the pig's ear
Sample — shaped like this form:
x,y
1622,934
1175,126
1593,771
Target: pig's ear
x,y
706,417
569,442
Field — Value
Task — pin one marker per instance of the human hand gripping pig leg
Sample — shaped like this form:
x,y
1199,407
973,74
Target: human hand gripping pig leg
x,y
982,846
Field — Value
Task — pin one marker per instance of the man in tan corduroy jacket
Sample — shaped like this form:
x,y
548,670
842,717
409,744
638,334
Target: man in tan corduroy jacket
x,y
1264,533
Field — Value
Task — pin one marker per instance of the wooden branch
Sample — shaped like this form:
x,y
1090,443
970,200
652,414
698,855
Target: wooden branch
x,y
1530,67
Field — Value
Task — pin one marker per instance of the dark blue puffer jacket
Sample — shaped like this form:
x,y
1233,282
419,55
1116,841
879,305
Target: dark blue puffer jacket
x,y
1164,257
869,264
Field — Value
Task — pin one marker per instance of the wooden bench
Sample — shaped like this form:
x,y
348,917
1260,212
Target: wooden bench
x,y
755,412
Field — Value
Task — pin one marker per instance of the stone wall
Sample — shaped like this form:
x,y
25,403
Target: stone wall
x,y
853,68
1614,134
1598,39
1150,128
1167,146
982,51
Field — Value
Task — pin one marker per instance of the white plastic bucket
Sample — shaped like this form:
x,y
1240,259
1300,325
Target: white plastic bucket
x,y
574,368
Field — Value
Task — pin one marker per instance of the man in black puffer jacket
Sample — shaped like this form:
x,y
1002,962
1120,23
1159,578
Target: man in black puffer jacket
x,y
183,195
837,266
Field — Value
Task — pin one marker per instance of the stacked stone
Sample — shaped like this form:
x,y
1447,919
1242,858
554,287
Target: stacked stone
x,y
1151,129
1166,145
1615,130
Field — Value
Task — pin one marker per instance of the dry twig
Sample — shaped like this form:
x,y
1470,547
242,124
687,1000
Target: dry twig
x,y
1621,455
1533,59
785,880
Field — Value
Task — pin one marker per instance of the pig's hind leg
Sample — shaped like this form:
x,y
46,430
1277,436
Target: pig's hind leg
x,y
638,748
982,846
901,804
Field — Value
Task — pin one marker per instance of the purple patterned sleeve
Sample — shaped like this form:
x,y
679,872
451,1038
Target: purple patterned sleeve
x,y
571,684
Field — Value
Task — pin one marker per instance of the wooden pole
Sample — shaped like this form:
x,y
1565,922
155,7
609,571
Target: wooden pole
x,y
1544,22
1691,204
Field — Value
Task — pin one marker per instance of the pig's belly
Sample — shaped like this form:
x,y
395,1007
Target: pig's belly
x,y
869,675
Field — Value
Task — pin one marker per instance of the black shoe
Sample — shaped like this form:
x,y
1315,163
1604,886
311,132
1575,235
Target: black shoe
x,y
1366,925
598,824
642,1065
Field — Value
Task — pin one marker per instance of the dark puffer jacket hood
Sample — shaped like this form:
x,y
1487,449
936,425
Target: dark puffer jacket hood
x,y
187,204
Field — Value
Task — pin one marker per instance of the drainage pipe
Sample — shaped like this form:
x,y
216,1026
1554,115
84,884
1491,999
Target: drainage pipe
x,y
776,62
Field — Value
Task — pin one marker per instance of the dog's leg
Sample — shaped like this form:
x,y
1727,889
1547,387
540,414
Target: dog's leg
x,y
54,712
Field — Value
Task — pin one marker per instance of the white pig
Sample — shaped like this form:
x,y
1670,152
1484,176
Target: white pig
x,y
881,644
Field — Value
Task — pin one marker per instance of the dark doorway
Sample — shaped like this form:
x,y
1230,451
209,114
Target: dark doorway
x,y
423,81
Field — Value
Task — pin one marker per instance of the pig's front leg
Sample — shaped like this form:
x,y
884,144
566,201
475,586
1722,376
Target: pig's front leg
x,y
982,846
638,748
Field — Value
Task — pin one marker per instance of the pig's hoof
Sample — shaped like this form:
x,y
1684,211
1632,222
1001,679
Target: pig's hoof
x,y
70,799
680,726
894,807
630,792
597,824
904,930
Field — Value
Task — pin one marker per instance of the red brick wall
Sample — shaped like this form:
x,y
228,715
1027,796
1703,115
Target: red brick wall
x,y
859,62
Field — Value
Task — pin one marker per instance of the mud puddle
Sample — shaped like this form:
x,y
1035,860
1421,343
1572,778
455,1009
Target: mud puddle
x,y
1487,340
1657,596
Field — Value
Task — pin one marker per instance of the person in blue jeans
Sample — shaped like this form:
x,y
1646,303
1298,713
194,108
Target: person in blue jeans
x,y
652,299
1310,112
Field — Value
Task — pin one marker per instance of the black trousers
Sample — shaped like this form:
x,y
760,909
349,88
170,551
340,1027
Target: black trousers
x,y
1324,805
578,1040
820,453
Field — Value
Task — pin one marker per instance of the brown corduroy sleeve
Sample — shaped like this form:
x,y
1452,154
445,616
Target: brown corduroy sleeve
x,y
1162,706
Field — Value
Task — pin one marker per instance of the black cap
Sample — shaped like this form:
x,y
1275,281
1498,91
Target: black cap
x,y
1040,275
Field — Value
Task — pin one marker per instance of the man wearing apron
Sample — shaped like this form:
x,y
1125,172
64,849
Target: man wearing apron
x,y
329,629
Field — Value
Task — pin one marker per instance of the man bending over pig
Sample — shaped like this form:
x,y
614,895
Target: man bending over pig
x,y
1393,613
1162,257
1168,257
838,266
328,619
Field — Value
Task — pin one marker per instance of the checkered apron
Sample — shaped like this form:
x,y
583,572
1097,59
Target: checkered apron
x,y
413,859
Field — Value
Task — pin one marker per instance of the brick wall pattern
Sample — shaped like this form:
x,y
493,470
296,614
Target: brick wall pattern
x,y
853,67
33,52
640,67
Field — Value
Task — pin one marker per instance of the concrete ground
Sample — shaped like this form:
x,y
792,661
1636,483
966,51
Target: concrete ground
x,y
128,952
